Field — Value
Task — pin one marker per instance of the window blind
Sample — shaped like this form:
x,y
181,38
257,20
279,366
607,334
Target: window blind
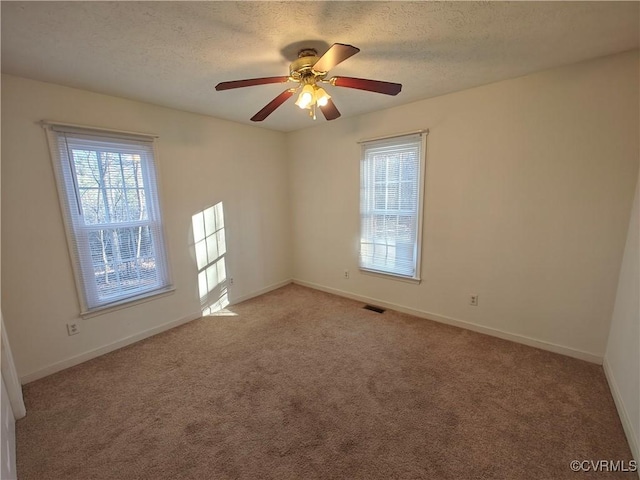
x,y
108,192
390,200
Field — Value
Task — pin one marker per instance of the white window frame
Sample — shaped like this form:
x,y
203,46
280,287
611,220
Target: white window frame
x,y
59,135
367,265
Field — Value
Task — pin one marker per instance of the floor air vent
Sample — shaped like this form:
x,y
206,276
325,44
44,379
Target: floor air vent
x,y
374,309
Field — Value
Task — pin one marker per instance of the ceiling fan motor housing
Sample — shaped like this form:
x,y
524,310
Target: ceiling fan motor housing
x,y
301,69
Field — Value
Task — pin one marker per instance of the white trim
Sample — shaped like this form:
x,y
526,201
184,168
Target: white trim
x,y
83,357
65,214
421,210
424,132
10,376
262,291
494,332
128,302
389,276
622,411
71,127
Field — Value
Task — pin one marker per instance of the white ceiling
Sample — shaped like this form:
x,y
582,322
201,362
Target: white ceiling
x,y
174,53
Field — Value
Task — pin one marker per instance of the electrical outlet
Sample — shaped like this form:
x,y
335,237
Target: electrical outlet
x,y
346,274
473,300
230,281
73,328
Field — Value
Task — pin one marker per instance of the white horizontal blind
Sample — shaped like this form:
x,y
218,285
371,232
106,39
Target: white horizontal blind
x,y
108,190
390,198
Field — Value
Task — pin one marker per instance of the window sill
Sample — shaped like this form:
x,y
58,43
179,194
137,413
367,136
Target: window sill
x,y
112,307
390,276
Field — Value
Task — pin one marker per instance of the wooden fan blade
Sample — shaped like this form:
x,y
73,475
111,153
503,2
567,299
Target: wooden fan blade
x,y
250,82
377,86
330,111
337,53
272,105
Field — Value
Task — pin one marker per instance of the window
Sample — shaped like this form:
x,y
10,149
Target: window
x,y
108,193
391,184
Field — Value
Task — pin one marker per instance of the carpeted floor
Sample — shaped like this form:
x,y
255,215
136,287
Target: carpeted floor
x,y
300,384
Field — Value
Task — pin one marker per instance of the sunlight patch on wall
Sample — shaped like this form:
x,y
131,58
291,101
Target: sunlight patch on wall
x,y
210,249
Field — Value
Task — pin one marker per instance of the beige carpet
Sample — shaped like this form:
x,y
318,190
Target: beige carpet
x,y
306,385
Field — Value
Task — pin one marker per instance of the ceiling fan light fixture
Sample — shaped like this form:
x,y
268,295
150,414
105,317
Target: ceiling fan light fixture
x,y
322,97
306,97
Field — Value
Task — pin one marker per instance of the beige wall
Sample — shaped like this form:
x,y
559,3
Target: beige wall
x,y
622,359
528,194
202,161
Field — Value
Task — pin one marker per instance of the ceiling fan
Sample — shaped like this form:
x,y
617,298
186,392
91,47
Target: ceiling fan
x,y
308,70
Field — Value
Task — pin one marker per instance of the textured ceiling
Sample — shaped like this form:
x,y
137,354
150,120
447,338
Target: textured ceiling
x,y
174,53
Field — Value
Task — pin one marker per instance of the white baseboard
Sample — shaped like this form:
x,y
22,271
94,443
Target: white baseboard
x,y
262,291
622,411
83,357
514,337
